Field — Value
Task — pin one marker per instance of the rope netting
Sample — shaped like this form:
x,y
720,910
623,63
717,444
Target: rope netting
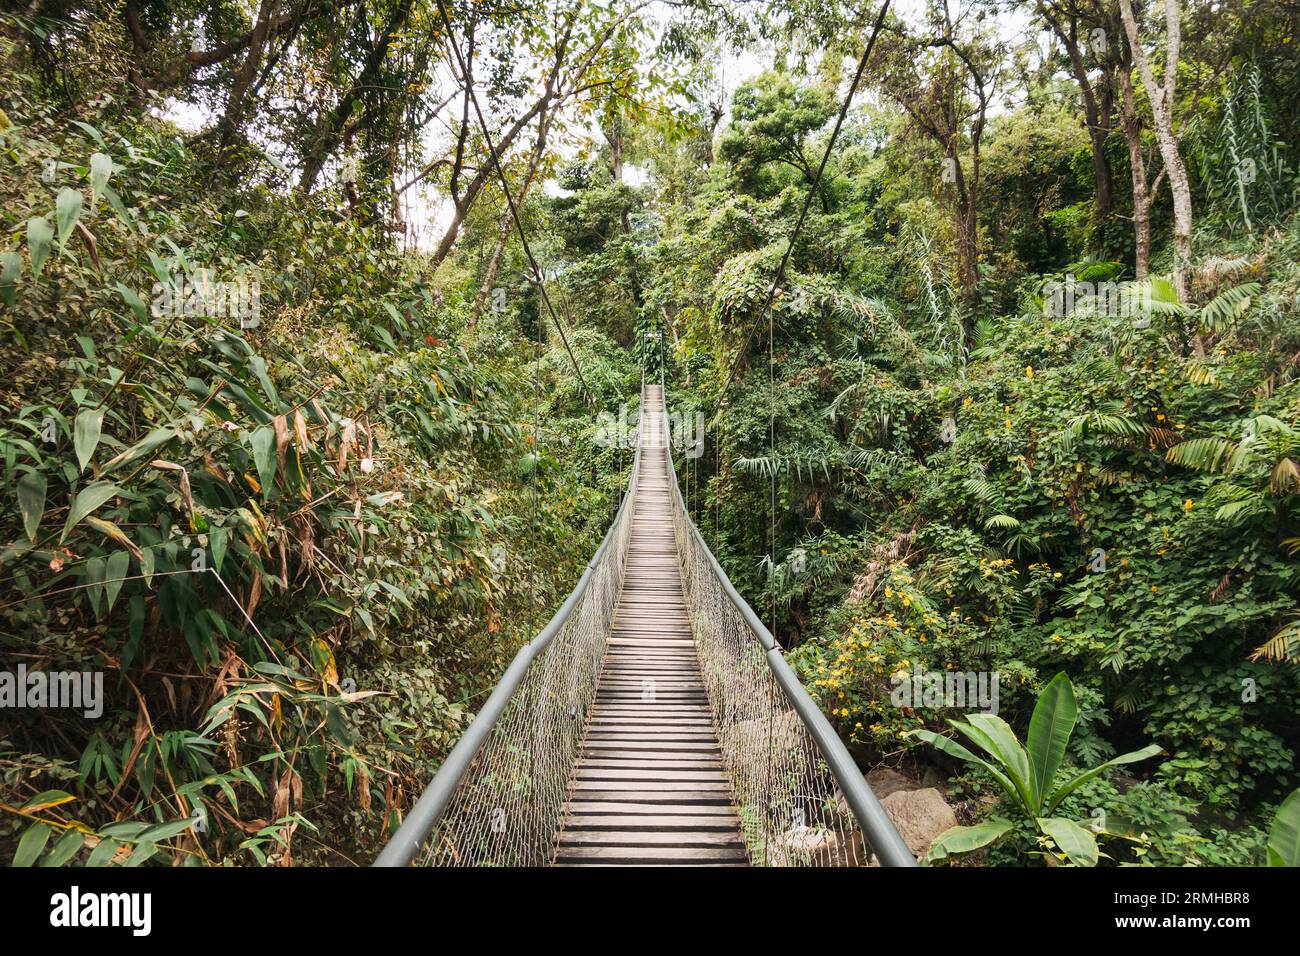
x,y
510,801
791,808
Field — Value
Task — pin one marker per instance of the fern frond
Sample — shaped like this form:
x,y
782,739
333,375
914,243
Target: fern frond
x,y
1203,454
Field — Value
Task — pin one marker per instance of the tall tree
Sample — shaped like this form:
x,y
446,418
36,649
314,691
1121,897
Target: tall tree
x,y
945,77
1168,138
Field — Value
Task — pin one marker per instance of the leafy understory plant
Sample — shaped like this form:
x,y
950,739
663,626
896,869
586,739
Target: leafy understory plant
x,y
1284,836
1028,776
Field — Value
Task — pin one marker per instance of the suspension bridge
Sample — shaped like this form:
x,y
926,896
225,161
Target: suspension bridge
x,y
653,721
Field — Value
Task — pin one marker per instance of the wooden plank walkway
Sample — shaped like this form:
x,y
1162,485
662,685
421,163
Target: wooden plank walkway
x,y
649,787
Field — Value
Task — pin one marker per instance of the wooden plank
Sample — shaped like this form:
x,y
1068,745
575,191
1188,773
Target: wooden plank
x,y
649,786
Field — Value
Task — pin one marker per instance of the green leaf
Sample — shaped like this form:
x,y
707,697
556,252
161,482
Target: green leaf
x,y
954,749
119,564
996,736
1066,789
146,445
263,441
1050,728
147,565
31,844
31,501
87,500
101,167
11,266
119,207
1284,835
958,841
217,542
39,236
102,855
67,210
47,799
165,831
134,301
65,848
86,435
1076,842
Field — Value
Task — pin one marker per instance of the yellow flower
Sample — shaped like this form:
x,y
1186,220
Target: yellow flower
x,y
1154,589
1029,371
1187,505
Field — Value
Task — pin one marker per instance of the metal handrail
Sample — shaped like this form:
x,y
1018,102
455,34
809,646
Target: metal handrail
x,y
424,816
884,838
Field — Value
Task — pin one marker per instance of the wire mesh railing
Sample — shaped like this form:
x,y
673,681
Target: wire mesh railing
x,y
800,797
499,797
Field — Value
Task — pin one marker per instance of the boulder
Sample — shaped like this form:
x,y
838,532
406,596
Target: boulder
x,y
920,816
886,780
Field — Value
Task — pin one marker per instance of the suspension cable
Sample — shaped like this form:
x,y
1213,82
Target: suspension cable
x,y
807,202
538,279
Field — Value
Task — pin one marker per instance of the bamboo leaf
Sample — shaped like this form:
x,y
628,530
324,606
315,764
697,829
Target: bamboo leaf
x,y
31,844
87,500
86,435
39,236
67,208
31,501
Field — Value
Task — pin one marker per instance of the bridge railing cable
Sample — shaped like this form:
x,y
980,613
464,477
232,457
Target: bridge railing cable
x,y
498,798
802,800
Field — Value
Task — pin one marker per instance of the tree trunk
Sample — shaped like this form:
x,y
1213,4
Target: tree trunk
x,y
1142,195
244,77
1162,114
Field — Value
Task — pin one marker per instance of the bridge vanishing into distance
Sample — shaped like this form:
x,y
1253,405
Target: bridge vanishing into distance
x,y
653,721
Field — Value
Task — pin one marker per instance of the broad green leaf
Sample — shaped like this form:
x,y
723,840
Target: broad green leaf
x,y
263,441
1066,789
957,841
67,210
47,799
87,500
954,749
64,849
86,435
39,236
217,542
146,445
164,831
1075,841
119,565
102,855
1050,728
101,167
119,207
1284,835
32,843
135,302
31,501
996,736
11,266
